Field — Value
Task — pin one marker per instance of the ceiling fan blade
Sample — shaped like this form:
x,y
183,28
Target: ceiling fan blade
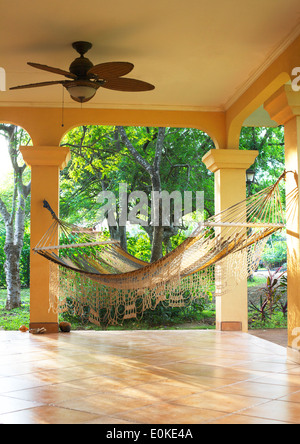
x,y
35,85
54,70
130,85
109,70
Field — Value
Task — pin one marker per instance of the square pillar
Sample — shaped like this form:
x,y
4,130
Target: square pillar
x,y
45,163
284,108
230,168
292,153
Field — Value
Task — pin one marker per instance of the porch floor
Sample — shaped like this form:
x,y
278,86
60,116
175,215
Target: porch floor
x,y
146,377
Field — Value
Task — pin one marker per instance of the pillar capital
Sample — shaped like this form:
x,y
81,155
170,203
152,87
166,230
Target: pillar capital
x,y
284,105
46,156
229,159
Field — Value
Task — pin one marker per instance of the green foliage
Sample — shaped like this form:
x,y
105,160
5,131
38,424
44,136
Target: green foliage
x,y
270,162
13,319
275,252
100,162
169,316
197,316
272,298
277,320
139,246
25,261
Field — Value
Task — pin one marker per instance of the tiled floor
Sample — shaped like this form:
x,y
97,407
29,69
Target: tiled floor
x,y
146,377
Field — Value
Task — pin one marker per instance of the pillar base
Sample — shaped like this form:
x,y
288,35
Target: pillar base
x,y
50,327
228,326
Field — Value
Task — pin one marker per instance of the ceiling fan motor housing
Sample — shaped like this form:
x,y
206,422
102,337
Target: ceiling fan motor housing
x,y
80,66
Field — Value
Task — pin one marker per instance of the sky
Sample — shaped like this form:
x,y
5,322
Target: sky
x,y
5,165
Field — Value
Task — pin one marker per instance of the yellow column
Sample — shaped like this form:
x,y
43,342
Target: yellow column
x,y
284,108
230,168
45,163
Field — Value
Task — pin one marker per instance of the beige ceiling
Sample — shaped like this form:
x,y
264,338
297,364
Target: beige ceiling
x,y
200,54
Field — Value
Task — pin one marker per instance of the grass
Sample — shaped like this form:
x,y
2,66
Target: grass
x,y
13,319
257,281
160,319
277,320
187,318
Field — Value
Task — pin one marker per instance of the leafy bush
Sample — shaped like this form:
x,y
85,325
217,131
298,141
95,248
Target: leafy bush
x,y
272,303
275,252
139,246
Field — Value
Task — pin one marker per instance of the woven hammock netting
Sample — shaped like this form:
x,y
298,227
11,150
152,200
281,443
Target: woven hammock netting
x,y
97,280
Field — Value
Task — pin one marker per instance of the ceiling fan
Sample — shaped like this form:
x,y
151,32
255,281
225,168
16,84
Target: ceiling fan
x,y
84,78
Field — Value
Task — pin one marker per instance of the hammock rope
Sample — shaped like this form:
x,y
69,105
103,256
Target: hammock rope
x,y
105,284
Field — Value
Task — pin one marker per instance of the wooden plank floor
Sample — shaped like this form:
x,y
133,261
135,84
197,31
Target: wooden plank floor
x,y
146,377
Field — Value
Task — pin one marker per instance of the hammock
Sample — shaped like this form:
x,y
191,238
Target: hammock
x,y
99,281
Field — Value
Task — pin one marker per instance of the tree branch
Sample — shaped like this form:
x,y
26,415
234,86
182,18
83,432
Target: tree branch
x,y
4,213
159,147
143,162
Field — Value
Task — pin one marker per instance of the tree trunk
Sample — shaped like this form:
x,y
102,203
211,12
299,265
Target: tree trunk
x,y
119,233
154,173
158,235
158,229
12,271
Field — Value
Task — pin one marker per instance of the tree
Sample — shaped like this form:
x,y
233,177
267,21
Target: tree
x,y
147,159
103,157
270,162
13,211
94,168
153,169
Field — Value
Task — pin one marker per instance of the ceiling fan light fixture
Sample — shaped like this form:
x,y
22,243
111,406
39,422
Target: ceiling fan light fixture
x,y
81,93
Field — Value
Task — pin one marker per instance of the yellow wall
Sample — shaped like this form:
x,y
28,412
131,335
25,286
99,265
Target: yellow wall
x,y
45,125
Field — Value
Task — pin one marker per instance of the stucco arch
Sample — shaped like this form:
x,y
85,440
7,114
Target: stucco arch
x,y
213,139
246,106
15,123
47,127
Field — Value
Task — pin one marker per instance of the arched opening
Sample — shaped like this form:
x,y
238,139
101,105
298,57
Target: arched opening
x,y
102,161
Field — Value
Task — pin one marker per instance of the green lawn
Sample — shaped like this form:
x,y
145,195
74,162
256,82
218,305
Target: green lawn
x,y
186,318
159,319
12,320
258,281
